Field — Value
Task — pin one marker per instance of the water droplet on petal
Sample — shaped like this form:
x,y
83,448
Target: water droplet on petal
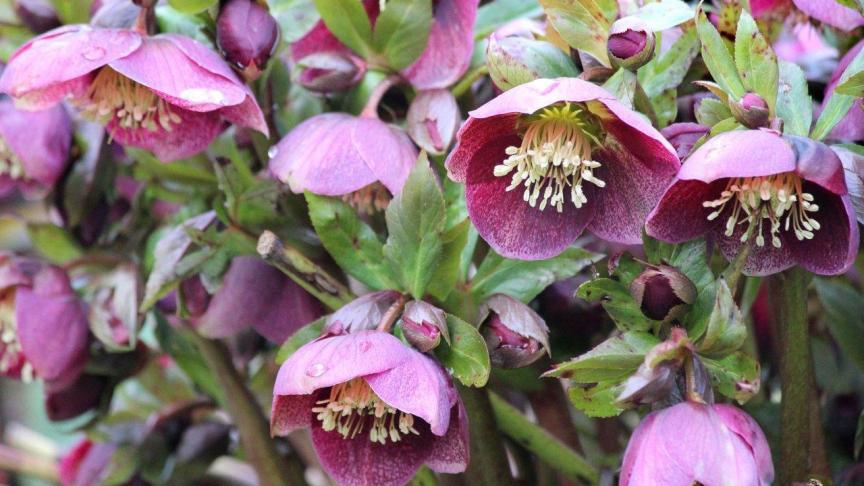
x,y
316,370
365,346
203,95
94,53
273,151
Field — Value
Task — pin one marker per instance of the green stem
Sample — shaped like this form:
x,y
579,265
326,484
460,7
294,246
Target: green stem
x,y
272,468
788,300
543,444
465,83
488,463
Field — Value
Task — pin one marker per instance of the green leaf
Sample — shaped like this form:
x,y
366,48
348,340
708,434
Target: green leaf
x,y
838,105
615,298
692,259
303,335
711,112
735,376
295,17
844,315
415,221
169,19
717,57
524,280
402,31
516,60
176,342
622,84
424,477
350,241
794,105
348,21
598,400
466,357
583,24
73,11
494,14
665,14
447,273
191,6
53,242
612,360
854,86
667,71
725,331
756,61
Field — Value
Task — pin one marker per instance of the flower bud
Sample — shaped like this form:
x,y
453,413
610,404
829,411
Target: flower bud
x,y
83,395
423,325
247,35
433,119
328,72
38,15
515,335
663,293
630,44
517,60
751,111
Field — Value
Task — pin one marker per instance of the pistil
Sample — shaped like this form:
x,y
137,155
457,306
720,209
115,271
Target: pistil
x,y
112,95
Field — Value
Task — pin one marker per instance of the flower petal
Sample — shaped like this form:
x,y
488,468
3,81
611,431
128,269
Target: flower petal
x,y
530,97
472,137
851,127
835,245
680,216
739,153
832,13
192,135
40,140
332,360
742,424
451,453
761,260
290,412
386,150
818,163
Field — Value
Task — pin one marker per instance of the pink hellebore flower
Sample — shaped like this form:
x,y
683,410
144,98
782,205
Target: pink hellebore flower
x,y
166,93
549,158
851,127
43,325
789,190
378,409
690,443
34,148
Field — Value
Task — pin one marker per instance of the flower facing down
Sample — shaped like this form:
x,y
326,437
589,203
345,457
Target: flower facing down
x,y
334,154
34,148
43,325
166,93
549,158
694,443
378,410
783,196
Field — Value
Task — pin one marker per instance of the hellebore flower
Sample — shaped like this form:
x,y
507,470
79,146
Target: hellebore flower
x,y
789,190
254,294
34,148
247,34
87,463
549,158
378,410
851,127
166,93
43,325
689,443
334,154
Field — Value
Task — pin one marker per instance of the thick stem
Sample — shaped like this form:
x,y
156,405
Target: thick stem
x,y
273,469
18,462
788,300
489,463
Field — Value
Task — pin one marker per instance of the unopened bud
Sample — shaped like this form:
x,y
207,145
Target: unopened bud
x,y
663,293
83,395
38,15
631,43
515,335
751,111
247,35
329,72
423,324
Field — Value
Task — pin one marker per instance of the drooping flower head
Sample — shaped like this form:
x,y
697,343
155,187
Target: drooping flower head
x,y
549,158
694,443
378,410
34,148
165,93
787,194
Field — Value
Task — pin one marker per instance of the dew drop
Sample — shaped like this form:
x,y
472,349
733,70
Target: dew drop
x,y
316,370
365,346
273,151
94,53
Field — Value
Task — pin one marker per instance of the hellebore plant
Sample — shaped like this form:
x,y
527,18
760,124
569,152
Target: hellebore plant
x,y
783,198
378,410
547,159
165,93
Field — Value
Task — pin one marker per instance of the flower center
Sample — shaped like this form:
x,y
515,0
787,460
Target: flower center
x,y
777,201
10,348
112,95
352,406
369,199
555,154
10,165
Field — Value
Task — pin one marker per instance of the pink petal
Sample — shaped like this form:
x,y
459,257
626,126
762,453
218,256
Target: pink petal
x,y
332,360
290,412
386,150
739,153
247,114
680,216
832,13
834,246
851,127
451,453
192,135
39,139
451,43
40,69
742,424
42,99
817,163
317,40
633,456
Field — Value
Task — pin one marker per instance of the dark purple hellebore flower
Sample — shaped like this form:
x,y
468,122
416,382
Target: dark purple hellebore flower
x,y
851,127
549,158
378,409
166,93
692,443
791,190
43,325
335,154
34,148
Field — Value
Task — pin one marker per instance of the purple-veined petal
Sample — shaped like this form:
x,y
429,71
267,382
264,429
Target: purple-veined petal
x,y
192,135
739,153
474,135
679,215
832,13
761,260
835,245
750,432
451,453
290,412
386,150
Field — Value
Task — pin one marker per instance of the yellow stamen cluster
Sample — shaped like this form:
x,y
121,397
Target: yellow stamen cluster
x,y
369,199
10,165
353,405
112,95
765,200
11,348
555,154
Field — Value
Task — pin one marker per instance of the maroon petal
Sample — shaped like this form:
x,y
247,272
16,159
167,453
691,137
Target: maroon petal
x,y
474,135
451,43
451,453
680,216
739,153
192,135
835,245
360,462
510,226
761,260
39,139
290,412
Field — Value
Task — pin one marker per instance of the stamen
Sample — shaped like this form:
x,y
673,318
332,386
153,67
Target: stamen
x,y
369,199
10,348
555,154
112,95
766,200
352,406
10,165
